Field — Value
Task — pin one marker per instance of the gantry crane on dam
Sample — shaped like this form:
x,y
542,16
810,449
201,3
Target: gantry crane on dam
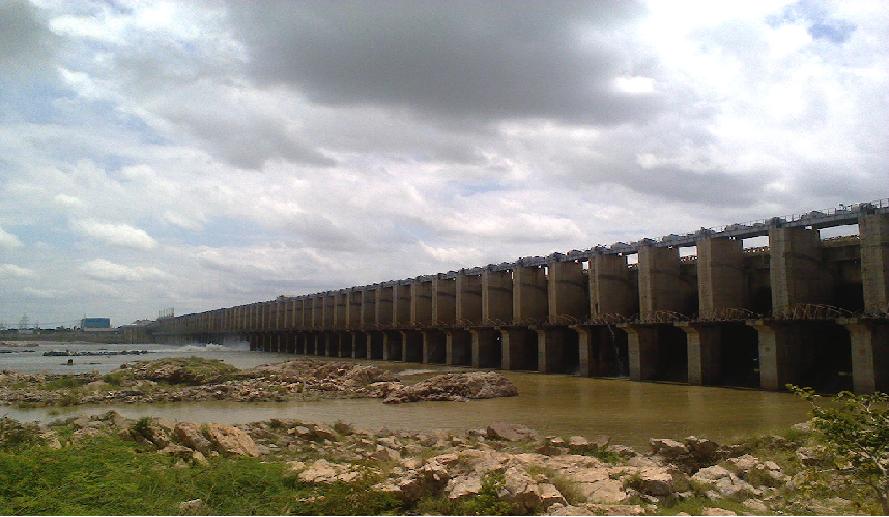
x,y
803,310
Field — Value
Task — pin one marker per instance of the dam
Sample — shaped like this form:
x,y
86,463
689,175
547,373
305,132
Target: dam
x,y
802,310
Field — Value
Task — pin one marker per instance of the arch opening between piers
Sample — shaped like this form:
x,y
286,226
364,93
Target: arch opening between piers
x,y
672,355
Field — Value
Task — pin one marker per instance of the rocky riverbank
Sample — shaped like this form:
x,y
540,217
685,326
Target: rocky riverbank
x,y
502,468
195,379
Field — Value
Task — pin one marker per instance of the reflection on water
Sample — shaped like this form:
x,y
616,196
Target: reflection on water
x,y
629,412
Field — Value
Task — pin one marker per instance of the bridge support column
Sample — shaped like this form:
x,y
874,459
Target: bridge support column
x,y
704,344
359,345
411,346
434,346
587,341
642,351
779,353
874,232
485,352
611,289
550,350
458,347
870,354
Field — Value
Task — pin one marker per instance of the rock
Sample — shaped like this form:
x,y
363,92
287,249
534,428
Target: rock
x,y
51,439
756,506
324,432
716,511
667,448
810,456
231,440
724,482
524,491
742,464
704,451
191,507
467,485
155,433
386,454
603,491
322,471
455,386
177,451
190,435
199,459
803,427
510,432
655,481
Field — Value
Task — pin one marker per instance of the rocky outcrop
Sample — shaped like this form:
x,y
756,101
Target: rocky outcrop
x,y
172,380
572,478
455,386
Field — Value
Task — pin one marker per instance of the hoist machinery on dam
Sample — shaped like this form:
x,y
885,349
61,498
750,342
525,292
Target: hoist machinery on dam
x,y
802,310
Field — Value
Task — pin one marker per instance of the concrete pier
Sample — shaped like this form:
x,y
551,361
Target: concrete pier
x,y
612,292
567,296
468,309
721,283
497,302
797,270
444,300
874,231
529,296
659,282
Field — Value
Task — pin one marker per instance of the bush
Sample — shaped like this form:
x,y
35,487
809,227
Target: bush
x,y
855,431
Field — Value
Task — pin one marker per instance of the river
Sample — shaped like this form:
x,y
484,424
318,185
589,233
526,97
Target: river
x,y
629,412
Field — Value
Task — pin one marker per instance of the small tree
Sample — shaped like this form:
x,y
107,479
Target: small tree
x,y
855,430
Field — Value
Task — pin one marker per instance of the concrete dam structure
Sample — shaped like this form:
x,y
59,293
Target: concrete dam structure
x,y
802,310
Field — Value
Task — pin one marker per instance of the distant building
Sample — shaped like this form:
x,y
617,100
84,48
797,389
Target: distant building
x,y
88,324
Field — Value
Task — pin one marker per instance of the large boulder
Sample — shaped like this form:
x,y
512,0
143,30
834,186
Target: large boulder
x,y
455,386
464,486
724,483
524,491
231,440
189,434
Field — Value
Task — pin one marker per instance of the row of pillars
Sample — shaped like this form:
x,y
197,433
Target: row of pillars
x,y
701,353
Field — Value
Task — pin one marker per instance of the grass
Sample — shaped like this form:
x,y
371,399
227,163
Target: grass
x,y
110,476
695,505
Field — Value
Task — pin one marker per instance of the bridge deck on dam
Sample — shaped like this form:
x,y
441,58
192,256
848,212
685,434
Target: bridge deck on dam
x,y
803,310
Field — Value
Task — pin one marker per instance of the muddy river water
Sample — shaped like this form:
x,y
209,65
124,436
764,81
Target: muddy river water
x,y
629,412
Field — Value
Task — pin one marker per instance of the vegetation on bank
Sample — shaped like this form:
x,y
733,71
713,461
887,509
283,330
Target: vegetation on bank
x,y
109,475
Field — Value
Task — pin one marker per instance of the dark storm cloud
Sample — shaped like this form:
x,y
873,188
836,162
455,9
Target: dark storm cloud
x,y
456,59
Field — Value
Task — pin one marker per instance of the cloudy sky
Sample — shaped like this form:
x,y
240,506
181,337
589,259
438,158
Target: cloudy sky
x,y
198,155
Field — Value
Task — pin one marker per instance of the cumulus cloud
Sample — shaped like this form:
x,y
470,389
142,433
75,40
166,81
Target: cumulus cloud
x,y
116,234
8,240
14,271
68,201
101,269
